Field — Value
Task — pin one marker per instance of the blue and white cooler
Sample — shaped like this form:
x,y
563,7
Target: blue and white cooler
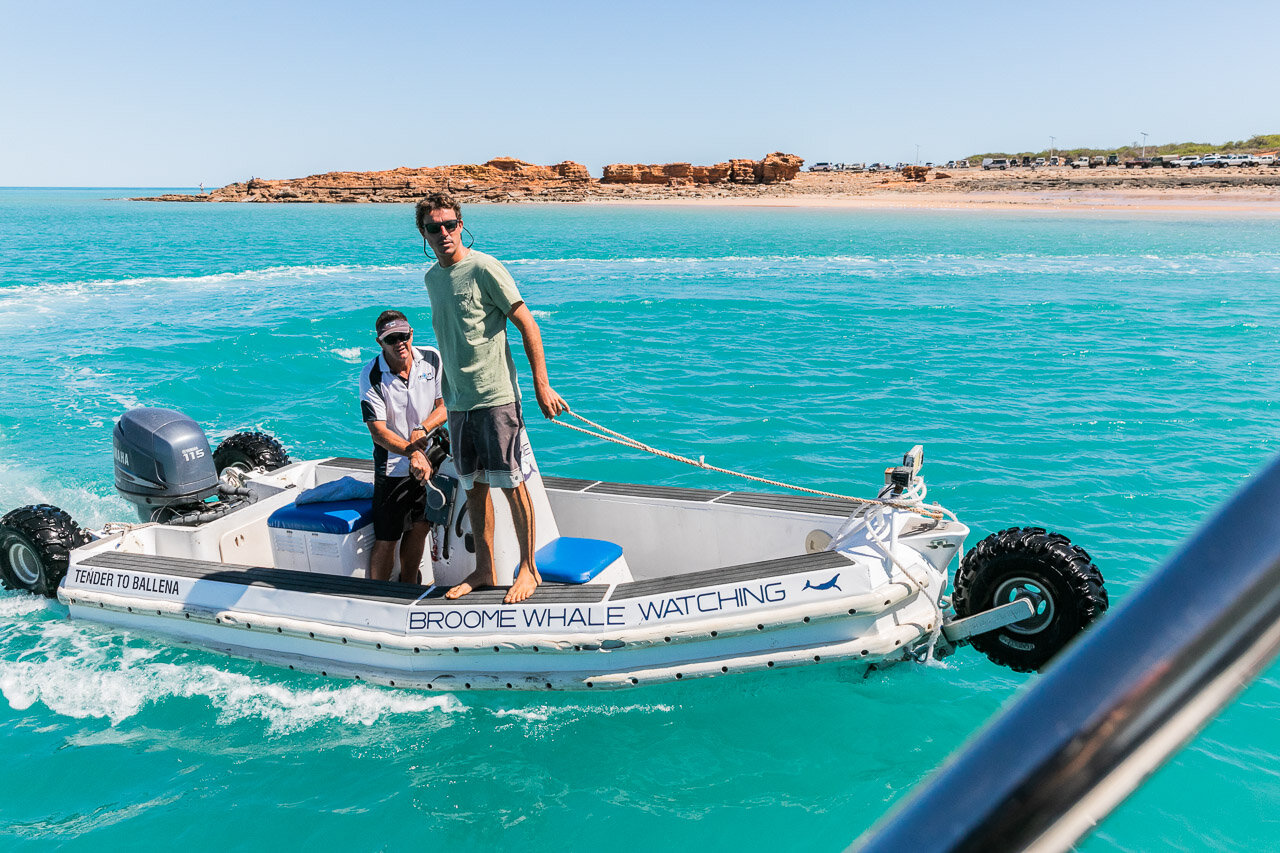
x,y
331,538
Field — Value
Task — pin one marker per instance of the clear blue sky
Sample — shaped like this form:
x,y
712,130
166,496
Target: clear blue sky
x,y
173,93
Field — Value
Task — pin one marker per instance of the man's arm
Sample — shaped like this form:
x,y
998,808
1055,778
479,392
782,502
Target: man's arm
x,y
388,439
438,416
551,403
419,465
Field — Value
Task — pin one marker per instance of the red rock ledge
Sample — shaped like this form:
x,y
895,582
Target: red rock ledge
x,y
506,179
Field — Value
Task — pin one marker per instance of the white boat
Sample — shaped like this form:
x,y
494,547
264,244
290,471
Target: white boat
x,y
642,584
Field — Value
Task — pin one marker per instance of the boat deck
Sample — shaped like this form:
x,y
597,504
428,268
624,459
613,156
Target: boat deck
x,y
804,504
414,595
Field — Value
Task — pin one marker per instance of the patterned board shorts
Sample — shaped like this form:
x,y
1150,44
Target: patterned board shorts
x,y
486,445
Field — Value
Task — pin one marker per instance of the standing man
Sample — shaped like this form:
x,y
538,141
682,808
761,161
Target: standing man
x,y
400,402
472,297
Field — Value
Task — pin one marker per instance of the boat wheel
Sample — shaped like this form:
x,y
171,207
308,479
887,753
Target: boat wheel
x,y
35,547
250,451
1060,580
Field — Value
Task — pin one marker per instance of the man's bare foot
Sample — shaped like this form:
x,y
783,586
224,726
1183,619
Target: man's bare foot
x,y
473,581
526,583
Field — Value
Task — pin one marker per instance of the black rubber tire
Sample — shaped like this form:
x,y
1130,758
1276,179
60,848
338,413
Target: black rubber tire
x,y
1059,578
250,451
35,546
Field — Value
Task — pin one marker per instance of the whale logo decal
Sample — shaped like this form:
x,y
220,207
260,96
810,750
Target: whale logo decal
x,y
831,584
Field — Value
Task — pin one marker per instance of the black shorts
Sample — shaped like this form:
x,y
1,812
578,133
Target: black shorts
x,y
486,445
398,502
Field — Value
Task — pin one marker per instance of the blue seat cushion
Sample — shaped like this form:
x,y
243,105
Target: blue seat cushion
x,y
339,517
571,560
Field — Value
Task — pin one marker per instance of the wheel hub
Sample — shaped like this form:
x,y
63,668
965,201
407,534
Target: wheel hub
x,y
24,562
1033,591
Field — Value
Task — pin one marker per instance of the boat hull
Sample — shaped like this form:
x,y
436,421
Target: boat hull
x,y
709,583
757,616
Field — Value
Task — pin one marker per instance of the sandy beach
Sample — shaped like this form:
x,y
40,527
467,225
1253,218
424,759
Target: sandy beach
x,y
1106,189
1238,190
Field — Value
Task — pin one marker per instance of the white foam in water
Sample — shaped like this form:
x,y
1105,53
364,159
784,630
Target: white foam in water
x,y
18,303
22,487
16,604
351,355
285,710
268,273
84,674
543,713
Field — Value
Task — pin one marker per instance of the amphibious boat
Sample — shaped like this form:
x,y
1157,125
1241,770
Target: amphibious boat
x,y
246,552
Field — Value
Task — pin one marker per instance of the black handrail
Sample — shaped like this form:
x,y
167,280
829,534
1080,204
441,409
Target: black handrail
x,y
1121,700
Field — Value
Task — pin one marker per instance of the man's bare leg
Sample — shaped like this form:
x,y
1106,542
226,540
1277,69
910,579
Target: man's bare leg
x,y
382,558
412,546
527,577
480,511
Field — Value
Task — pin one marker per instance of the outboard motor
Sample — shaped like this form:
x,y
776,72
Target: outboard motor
x,y
163,463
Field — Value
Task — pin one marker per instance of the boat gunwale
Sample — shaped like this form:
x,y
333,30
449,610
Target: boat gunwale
x,y
417,595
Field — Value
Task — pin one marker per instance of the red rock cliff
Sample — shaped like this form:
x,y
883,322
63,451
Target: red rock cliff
x,y
773,169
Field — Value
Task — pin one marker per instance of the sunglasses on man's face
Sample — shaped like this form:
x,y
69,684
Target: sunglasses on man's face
x,y
396,340
447,225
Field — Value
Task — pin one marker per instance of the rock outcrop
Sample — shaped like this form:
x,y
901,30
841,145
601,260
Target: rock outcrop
x,y
505,179
773,169
496,180
778,167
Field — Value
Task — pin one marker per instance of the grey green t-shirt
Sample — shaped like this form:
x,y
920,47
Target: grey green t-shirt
x,y
470,302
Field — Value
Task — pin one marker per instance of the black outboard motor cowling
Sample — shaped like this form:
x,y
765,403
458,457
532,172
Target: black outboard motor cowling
x,y
162,459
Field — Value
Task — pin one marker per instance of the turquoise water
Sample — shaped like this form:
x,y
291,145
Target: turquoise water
x,y
1112,377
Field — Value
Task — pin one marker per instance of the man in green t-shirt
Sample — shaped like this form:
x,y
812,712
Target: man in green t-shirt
x,y
472,297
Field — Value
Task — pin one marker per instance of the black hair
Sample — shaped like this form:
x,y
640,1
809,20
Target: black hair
x,y
387,317
435,201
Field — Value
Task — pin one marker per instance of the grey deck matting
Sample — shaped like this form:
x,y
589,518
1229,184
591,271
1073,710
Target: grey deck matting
x,y
810,505
673,493
733,574
567,484
348,463
547,593
384,591
388,592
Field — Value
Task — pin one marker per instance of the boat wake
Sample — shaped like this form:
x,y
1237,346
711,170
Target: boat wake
x,y
83,674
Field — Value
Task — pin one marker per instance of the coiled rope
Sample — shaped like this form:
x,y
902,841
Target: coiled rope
x,y
606,434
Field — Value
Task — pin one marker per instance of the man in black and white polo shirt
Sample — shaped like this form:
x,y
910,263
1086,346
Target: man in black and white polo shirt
x,y
401,401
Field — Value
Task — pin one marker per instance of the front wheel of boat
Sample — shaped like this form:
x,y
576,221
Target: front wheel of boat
x,y
1059,579
35,547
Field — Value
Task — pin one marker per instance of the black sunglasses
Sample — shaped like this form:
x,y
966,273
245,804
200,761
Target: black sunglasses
x,y
396,340
447,225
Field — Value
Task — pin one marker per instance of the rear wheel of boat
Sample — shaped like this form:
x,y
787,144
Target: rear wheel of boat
x,y
35,547
1060,580
250,451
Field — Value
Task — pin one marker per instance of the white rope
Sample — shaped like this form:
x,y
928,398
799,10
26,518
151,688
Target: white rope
x,y
626,441
111,528
876,514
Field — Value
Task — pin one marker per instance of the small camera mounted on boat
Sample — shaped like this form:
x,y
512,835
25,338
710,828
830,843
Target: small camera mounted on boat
x,y
899,477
